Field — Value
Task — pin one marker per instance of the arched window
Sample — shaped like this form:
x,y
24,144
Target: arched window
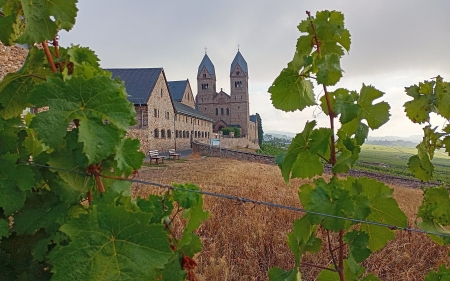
x,y
187,134
184,134
203,134
156,132
196,134
228,111
169,133
163,133
221,111
217,111
176,134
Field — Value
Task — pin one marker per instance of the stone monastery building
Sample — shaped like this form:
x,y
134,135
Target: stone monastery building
x,y
227,110
167,114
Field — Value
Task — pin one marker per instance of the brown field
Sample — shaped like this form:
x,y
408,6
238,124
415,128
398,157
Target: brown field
x,y
241,241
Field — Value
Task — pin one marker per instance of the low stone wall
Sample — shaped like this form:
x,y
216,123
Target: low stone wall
x,y
207,150
237,142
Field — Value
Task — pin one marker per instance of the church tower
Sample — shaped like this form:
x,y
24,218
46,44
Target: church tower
x,y
239,93
206,86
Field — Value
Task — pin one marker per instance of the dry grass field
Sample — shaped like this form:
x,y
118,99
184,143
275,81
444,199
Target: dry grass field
x,y
241,241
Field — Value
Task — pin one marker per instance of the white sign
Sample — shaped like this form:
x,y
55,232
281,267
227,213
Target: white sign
x,y
215,142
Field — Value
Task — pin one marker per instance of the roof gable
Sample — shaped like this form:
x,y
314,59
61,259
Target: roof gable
x,y
139,82
207,63
239,59
177,89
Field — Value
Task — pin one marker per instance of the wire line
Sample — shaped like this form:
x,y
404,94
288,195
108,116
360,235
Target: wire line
x,y
262,203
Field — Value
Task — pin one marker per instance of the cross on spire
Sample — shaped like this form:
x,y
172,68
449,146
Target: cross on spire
x,y
238,46
205,50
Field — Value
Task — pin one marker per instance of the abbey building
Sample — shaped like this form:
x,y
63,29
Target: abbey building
x,y
227,110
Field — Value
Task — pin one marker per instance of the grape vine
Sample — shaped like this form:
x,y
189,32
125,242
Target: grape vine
x,y
66,212
434,213
323,42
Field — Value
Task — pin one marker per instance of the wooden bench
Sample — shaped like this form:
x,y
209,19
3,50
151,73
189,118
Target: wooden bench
x,y
154,155
173,154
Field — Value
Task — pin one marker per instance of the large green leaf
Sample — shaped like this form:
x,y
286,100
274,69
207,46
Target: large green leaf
x,y
291,91
299,159
4,229
376,114
278,274
42,210
443,274
330,71
302,238
330,198
98,103
357,242
128,156
383,209
111,243
14,92
44,19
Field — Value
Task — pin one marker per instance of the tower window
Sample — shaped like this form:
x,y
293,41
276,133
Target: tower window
x,y
204,75
228,111
221,111
155,113
161,92
238,72
217,111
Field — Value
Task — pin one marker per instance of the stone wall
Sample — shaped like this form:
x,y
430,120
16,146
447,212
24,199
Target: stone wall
x,y
207,150
238,142
11,59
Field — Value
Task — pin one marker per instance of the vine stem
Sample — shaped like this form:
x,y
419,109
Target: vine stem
x,y
333,160
49,56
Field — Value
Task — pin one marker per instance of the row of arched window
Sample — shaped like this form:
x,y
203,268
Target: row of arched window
x,y
221,111
179,134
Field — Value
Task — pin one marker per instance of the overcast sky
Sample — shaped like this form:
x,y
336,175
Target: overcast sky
x,y
394,44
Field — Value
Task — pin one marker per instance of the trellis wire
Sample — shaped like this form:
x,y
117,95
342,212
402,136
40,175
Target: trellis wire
x,y
256,202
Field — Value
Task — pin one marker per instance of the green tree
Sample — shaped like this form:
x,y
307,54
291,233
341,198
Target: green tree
x,y
260,129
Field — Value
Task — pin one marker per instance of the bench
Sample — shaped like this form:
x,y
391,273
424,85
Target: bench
x,y
173,154
154,155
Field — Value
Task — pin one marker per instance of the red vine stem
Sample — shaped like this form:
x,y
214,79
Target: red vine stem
x,y
333,160
318,266
327,97
49,56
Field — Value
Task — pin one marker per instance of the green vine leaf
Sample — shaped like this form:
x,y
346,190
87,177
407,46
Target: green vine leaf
x,y
302,238
120,243
299,159
330,71
376,114
330,198
98,103
291,91
42,211
128,156
357,242
278,274
443,274
39,14
383,209
435,212
14,92
4,229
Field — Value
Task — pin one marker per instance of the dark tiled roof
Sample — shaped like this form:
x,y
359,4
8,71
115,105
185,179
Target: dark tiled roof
x,y
239,59
139,82
206,62
189,111
177,89
253,118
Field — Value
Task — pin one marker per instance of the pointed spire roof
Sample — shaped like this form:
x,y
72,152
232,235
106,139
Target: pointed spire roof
x,y
239,59
206,62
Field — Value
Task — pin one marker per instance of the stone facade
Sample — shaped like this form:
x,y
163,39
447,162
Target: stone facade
x,y
226,109
11,59
160,126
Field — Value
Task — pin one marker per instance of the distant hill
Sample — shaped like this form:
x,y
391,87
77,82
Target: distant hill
x,y
415,138
393,143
